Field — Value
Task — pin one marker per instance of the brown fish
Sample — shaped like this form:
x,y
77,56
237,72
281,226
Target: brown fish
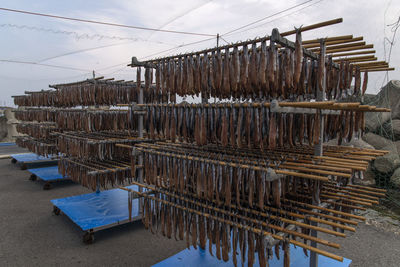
x,y
298,56
365,82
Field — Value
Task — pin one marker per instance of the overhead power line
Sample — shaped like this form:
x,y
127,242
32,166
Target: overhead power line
x,y
45,65
76,35
259,20
275,19
102,23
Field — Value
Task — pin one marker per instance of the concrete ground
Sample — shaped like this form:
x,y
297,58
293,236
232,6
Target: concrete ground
x,y
7,150
32,236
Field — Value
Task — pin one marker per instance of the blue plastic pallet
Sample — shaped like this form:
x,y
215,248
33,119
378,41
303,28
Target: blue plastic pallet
x,y
97,211
47,174
198,257
7,144
28,157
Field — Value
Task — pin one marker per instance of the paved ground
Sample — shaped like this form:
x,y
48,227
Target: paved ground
x,y
32,236
6,150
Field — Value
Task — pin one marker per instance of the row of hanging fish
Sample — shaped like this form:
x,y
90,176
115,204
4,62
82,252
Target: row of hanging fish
x,y
82,94
259,72
42,147
213,180
99,145
229,235
91,173
39,115
40,130
92,121
246,127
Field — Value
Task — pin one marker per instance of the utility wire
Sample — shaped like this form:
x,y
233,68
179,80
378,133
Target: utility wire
x,y
184,13
102,23
278,18
45,65
259,20
157,53
76,35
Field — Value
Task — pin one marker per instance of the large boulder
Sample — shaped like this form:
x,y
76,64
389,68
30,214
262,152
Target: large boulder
x,y
376,141
395,127
395,179
388,97
388,162
353,143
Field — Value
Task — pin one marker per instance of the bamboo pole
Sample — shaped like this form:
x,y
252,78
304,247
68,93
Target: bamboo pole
x,y
334,47
328,39
350,49
341,213
321,241
354,53
377,69
370,63
343,198
348,196
349,192
351,59
240,226
334,42
302,29
265,164
334,218
368,188
296,174
270,154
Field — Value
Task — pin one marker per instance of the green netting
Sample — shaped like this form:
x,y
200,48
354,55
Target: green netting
x,y
382,180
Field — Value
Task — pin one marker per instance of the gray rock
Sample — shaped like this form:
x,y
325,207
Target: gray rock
x,y
368,178
396,127
388,97
353,143
376,141
388,162
395,179
391,147
397,144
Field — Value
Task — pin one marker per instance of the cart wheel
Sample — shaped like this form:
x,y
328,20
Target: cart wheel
x,y
46,186
56,210
23,167
13,161
33,177
88,238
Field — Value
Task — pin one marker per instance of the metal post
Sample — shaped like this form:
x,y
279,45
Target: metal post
x,y
319,151
97,178
140,158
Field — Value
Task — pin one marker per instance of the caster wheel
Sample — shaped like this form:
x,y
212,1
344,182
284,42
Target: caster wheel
x,y
56,210
46,186
23,167
88,238
33,177
13,161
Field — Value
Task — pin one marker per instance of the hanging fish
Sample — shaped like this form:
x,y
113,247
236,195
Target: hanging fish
x,y
365,82
298,53
225,80
235,73
262,67
244,69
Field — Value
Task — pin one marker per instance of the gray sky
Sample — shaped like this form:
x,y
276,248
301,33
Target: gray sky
x,y
71,44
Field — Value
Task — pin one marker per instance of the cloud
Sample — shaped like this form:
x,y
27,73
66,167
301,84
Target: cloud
x,y
218,16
